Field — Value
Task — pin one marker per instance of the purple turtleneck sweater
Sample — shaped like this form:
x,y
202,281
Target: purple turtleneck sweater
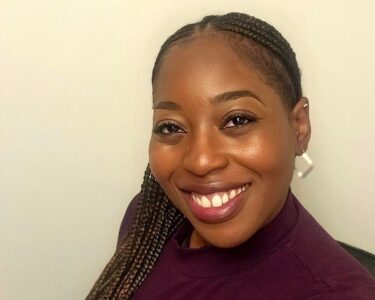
x,y
290,258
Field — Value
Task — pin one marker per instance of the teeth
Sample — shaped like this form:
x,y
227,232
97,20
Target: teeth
x,y
225,198
205,202
195,198
216,200
232,194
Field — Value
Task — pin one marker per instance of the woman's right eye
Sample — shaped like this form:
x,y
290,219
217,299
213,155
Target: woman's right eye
x,y
168,128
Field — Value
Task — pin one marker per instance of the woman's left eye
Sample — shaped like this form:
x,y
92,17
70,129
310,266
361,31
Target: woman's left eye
x,y
238,121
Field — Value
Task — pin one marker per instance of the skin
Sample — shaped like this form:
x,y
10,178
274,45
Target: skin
x,y
209,147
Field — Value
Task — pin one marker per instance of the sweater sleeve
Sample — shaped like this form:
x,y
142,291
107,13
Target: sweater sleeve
x,y
128,219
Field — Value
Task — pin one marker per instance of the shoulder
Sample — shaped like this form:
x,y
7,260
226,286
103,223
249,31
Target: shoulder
x,y
328,263
356,293
308,264
128,219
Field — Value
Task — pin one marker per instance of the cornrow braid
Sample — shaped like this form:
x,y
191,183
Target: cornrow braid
x,y
272,54
156,218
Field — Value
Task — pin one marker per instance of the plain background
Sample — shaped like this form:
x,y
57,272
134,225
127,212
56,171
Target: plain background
x,y
75,119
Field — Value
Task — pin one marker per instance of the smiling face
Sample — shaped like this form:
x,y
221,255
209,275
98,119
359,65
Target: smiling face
x,y
223,144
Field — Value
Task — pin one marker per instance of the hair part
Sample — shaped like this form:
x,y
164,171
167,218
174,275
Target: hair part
x,y
256,42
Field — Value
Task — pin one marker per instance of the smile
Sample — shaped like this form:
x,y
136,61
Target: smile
x,y
218,199
212,205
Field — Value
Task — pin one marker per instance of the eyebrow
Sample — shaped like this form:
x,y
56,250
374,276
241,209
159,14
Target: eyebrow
x,y
218,99
234,95
168,105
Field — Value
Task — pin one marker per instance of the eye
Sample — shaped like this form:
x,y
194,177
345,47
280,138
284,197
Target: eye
x,y
168,128
239,120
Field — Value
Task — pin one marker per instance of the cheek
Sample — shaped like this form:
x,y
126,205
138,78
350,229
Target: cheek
x,y
268,152
157,158
163,159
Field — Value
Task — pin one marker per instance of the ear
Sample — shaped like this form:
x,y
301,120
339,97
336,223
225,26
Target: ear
x,y
301,122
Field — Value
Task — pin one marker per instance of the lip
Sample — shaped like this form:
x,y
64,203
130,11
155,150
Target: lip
x,y
212,187
216,214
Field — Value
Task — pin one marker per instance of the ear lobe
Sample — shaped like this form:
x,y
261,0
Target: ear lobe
x,y
301,120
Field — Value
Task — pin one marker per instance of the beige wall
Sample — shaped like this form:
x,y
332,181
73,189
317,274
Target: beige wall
x,y
75,121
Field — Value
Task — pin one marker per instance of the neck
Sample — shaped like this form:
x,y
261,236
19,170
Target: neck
x,y
196,241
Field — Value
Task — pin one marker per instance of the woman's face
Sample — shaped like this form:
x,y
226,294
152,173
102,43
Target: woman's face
x,y
223,144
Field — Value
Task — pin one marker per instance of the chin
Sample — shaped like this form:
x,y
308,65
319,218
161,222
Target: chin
x,y
225,237
227,243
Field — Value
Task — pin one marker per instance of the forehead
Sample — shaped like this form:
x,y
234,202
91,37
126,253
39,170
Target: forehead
x,y
205,66
194,58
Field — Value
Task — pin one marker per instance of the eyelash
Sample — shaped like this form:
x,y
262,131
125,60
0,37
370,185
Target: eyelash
x,y
164,125
174,128
247,117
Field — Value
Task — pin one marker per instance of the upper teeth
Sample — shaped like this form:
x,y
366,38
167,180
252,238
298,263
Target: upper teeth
x,y
217,199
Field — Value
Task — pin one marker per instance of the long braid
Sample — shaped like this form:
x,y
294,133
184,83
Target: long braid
x,y
156,218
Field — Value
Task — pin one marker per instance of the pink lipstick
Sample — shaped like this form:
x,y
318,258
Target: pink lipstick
x,y
217,206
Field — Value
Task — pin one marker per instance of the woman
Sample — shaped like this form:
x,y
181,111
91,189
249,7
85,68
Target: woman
x,y
215,218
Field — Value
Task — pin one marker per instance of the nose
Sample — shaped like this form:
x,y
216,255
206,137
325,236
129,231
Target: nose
x,y
204,154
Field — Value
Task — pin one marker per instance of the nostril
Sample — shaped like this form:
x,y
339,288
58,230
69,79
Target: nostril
x,y
202,163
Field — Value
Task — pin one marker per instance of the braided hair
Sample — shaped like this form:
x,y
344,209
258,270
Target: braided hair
x,y
156,219
257,42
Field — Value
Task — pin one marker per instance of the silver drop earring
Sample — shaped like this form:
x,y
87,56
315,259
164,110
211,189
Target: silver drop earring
x,y
303,165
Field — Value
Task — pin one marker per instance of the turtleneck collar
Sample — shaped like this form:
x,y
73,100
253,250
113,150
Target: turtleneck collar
x,y
211,261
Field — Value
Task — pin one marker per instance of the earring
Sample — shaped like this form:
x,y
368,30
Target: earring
x,y
306,104
304,165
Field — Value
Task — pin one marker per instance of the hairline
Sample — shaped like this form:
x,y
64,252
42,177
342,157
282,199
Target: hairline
x,y
243,47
